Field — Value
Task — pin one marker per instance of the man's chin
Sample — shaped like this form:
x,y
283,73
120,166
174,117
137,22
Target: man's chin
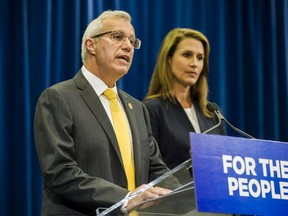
x,y
123,70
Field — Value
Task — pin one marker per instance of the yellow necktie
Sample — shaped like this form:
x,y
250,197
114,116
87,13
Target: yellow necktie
x,y
122,134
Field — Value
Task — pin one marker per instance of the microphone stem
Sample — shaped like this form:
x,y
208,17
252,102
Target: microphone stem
x,y
239,131
212,128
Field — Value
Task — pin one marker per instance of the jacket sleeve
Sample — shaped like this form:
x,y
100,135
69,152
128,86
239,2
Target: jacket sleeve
x,y
53,131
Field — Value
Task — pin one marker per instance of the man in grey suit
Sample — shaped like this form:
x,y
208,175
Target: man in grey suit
x,y
76,144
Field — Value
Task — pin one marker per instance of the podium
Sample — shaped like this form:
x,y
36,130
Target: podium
x,y
225,175
179,202
246,176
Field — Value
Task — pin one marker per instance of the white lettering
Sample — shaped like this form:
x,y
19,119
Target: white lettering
x,y
265,188
243,187
284,169
239,165
264,163
250,166
274,168
240,161
232,185
255,188
273,193
284,190
257,191
226,162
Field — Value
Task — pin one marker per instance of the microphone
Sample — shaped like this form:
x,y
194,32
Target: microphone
x,y
214,108
211,108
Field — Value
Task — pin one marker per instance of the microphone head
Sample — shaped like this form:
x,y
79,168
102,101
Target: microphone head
x,y
211,107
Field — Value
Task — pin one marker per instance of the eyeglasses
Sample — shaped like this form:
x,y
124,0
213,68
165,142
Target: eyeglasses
x,y
119,37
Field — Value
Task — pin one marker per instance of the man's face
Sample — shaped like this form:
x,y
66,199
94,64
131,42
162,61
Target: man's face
x,y
113,57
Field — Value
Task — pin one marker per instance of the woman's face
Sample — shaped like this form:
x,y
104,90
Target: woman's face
x,y
187,62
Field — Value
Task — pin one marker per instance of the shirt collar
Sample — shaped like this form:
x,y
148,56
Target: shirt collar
x,y
97,84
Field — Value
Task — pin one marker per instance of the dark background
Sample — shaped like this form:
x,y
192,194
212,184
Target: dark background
x,y
40,44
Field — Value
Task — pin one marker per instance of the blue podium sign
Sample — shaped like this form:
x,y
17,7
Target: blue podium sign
x,y
240,175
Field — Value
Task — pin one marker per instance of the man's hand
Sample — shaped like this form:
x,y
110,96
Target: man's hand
x,y
148,194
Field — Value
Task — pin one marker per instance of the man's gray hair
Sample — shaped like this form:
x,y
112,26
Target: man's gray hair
x,y
95,27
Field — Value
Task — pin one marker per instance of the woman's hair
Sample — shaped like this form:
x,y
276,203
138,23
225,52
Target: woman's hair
x,y
161,84
95,27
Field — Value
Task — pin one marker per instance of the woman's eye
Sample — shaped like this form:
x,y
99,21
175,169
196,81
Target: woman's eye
x,y
187,54
200,57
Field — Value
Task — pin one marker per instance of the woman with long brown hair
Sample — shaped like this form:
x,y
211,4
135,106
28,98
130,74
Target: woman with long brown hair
x,y
177,97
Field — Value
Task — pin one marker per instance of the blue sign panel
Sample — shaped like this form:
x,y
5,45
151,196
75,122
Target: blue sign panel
x,y
240,175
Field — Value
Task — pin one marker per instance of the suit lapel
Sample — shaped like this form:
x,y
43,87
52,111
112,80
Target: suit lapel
x,y
129,109
204,123
93,102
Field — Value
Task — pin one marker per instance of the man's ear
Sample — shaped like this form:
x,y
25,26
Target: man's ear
x,y
90,46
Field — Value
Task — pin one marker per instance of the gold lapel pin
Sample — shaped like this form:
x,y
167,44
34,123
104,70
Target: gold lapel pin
x,y
130,105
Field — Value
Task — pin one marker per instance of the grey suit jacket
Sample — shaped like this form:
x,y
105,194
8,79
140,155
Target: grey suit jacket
x,y
78,151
